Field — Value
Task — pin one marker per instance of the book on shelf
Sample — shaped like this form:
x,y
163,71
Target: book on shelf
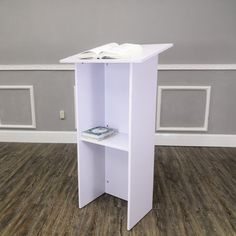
x,y
112,51
98,133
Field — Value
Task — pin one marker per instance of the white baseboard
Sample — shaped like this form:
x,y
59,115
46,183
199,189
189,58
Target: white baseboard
x,y
198,140
37,136
165,67
161,139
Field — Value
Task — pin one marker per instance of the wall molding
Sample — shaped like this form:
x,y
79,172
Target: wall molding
x,y
38,67
161,67
175,128
161,139
195,140
32,107
31,136
196,67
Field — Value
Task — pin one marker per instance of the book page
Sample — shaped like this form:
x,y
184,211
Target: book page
x,y
94,52
105,47
97,50
125,50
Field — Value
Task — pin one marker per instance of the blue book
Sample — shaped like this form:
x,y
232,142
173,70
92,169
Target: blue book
x,y
98,132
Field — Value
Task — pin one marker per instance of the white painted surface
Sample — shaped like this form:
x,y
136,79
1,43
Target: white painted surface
x,y
117,96
195,140
207,108
91,158
90,96
164,67
194,67
143,82
116,179
37,67
161,139
118,141
91,169
32,136
75,106
149,50
70,67
32,107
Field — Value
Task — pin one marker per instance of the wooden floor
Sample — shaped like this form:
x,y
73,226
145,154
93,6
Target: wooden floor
x,y
194,194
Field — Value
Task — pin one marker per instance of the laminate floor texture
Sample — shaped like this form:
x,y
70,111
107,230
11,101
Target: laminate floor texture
x,y
194,194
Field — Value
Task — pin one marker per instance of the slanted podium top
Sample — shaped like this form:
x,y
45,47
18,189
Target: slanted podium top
x,y
149,50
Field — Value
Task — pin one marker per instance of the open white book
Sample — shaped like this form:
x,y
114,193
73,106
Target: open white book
x,y
112,51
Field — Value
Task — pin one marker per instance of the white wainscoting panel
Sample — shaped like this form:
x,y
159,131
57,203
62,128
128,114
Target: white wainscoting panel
x,y
32,107
207,107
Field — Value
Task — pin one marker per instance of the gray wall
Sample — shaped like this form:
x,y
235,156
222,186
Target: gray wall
x,y
31,31
9,113
42,32
222,113
53,91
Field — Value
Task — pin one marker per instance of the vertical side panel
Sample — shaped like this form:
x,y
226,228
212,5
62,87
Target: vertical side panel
x,y
91,169
90,95
143,80
116,116
117,173
90,112
117,96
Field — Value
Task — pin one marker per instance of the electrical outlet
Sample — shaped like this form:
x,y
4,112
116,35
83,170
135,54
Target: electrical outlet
x,y
62,115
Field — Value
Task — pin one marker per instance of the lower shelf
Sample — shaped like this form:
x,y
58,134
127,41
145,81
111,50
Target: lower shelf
x,y
119,141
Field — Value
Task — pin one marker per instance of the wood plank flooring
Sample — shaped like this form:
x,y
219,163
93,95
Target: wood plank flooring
x,y
194,194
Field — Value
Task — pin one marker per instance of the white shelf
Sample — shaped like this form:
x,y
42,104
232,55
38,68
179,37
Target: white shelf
x,y
118,141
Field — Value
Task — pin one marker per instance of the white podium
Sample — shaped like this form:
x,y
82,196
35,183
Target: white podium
x,y
118,93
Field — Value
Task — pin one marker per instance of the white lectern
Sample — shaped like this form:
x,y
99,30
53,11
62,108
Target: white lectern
x,y
118,93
